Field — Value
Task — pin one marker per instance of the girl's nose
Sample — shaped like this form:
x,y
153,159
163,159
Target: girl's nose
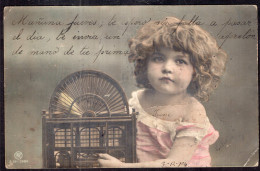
x,y
168,67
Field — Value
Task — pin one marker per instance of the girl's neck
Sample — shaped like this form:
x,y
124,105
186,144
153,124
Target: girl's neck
x,y
156,98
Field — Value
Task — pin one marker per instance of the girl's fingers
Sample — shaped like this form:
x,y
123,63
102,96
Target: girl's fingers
x,y
105,156
104,163
102,155
101,162
105,160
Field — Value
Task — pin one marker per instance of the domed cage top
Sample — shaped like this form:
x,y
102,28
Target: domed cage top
x,y
88,114
88,93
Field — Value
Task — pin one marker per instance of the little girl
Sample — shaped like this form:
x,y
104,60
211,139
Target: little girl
x,y
176,65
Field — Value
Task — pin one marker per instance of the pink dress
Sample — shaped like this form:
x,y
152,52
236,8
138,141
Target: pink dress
x,y
155,137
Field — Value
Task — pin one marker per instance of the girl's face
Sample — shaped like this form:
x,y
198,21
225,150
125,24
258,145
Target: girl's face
x,y
169,71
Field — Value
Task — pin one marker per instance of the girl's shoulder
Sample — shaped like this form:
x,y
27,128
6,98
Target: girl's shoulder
x,y
196,112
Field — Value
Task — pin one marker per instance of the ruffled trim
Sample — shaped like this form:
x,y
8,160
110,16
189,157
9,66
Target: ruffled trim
x,y
182,128
192,131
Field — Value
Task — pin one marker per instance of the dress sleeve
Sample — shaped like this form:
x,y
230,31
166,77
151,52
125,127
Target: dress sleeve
x,y
198,131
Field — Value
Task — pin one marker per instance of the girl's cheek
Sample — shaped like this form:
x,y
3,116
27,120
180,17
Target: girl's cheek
x,y
180,68
153,66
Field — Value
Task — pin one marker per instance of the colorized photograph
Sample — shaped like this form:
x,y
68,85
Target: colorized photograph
x,y
131,86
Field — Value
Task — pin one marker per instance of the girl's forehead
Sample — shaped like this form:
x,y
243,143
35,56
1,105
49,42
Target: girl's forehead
x,y
170,51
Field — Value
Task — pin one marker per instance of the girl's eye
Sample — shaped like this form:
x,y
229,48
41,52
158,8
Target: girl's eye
x,y
157,59
181,61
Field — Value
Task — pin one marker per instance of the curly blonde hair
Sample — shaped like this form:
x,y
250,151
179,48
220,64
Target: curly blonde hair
x,y
206,57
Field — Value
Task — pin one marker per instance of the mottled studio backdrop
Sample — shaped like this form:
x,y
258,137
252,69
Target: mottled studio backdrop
x,y
42,45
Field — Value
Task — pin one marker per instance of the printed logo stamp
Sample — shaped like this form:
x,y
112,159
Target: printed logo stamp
x,y
18,155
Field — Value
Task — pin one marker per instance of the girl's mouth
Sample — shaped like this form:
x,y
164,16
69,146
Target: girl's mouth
x,y
166,79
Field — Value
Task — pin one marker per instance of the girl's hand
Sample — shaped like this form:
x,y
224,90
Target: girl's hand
x,y
105,160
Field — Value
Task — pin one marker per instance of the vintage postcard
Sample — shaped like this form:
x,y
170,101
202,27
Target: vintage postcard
x,y
131,86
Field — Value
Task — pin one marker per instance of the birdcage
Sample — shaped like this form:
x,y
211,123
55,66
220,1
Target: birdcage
x,y
88,114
